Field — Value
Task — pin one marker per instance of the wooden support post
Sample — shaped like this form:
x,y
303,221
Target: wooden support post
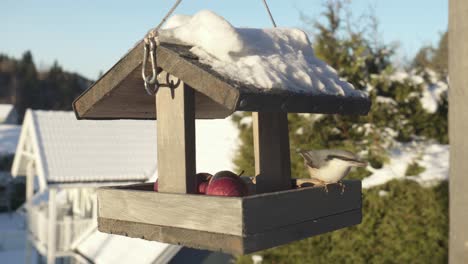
x,y
51,227
30,174
271,146
175,111
458,131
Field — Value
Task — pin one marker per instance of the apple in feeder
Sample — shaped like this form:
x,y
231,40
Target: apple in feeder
x,y
227,183
203,179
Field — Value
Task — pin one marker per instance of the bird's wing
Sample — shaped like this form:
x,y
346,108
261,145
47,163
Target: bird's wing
x,y
309,158
346,156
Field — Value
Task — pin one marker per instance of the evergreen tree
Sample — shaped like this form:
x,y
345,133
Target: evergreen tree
x,y
27,88
436,58
396,115
391,230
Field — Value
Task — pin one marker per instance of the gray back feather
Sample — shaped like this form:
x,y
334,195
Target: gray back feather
x,y
319,158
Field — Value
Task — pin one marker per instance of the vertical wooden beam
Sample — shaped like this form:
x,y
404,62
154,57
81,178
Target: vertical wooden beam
x,y
271,147
175,111
51,227
30,174
458,131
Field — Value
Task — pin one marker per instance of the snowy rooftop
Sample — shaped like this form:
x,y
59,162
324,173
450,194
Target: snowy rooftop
x,y
9,135
5,110
231,69
280,58
70,151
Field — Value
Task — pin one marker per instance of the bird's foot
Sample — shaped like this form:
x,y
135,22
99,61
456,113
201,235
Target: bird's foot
x,y
325,187
342,185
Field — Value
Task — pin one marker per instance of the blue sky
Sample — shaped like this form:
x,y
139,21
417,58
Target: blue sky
x,y
90,36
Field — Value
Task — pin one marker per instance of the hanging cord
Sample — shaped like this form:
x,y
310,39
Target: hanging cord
x,y
269,13
151,42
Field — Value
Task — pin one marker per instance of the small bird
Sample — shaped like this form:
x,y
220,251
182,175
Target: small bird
x,y
329,166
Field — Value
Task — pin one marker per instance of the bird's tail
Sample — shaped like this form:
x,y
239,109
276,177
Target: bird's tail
x,y
357,163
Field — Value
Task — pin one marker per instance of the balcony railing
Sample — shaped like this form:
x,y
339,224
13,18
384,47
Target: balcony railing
x,y
67,228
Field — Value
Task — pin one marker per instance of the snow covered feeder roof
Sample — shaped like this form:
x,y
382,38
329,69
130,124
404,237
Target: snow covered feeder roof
x,y
230,69
67,151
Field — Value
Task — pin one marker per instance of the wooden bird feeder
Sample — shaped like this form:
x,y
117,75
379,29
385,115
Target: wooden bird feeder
x,y
275,215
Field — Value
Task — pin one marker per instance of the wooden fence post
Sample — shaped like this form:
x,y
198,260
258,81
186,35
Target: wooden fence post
x,y
458,131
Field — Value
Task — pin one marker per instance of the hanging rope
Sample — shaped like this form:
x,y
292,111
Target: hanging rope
x,y
151,42
269,13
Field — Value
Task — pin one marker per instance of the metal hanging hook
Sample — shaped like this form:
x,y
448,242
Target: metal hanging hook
x,y
151,42
150,48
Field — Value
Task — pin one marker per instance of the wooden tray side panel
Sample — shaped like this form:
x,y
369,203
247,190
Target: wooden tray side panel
x,y
206,213
176,236
274,210
301,231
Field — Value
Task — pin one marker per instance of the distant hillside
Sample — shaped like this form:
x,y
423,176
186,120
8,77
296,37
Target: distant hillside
x,y
24,86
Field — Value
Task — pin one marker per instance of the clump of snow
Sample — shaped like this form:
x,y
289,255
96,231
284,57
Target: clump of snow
x,y
383,193
274,58
432,94
433,157
257,259
300,131
432,89
246,121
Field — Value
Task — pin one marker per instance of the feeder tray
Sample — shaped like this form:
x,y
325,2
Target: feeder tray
x,y
275,215
228,224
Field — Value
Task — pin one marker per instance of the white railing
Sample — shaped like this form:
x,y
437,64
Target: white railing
x,y
68,228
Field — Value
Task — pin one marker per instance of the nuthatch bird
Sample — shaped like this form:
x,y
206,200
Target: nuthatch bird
x,y
329,166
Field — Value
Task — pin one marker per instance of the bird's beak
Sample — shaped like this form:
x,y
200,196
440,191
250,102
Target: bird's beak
x,y
358,163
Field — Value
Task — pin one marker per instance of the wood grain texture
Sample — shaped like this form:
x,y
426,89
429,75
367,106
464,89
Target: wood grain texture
x,y
271,151
197,212
119,94
239,216
173,235
275,210
176,139
237,245
299,231
458,130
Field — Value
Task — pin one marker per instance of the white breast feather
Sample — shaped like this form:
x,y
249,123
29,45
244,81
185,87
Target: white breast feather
x,y
334,171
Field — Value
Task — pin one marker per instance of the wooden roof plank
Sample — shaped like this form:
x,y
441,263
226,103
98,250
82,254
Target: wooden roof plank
x,y
120,94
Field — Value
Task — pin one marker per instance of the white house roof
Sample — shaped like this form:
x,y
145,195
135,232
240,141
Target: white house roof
x,y
67,150
5,110
9,135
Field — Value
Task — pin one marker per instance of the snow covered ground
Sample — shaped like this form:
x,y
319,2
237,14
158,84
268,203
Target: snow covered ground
x,y
432,87
434,158
12,238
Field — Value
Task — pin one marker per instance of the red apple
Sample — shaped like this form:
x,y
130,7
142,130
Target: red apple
x,y
202,187
155,186
202,181
226,183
